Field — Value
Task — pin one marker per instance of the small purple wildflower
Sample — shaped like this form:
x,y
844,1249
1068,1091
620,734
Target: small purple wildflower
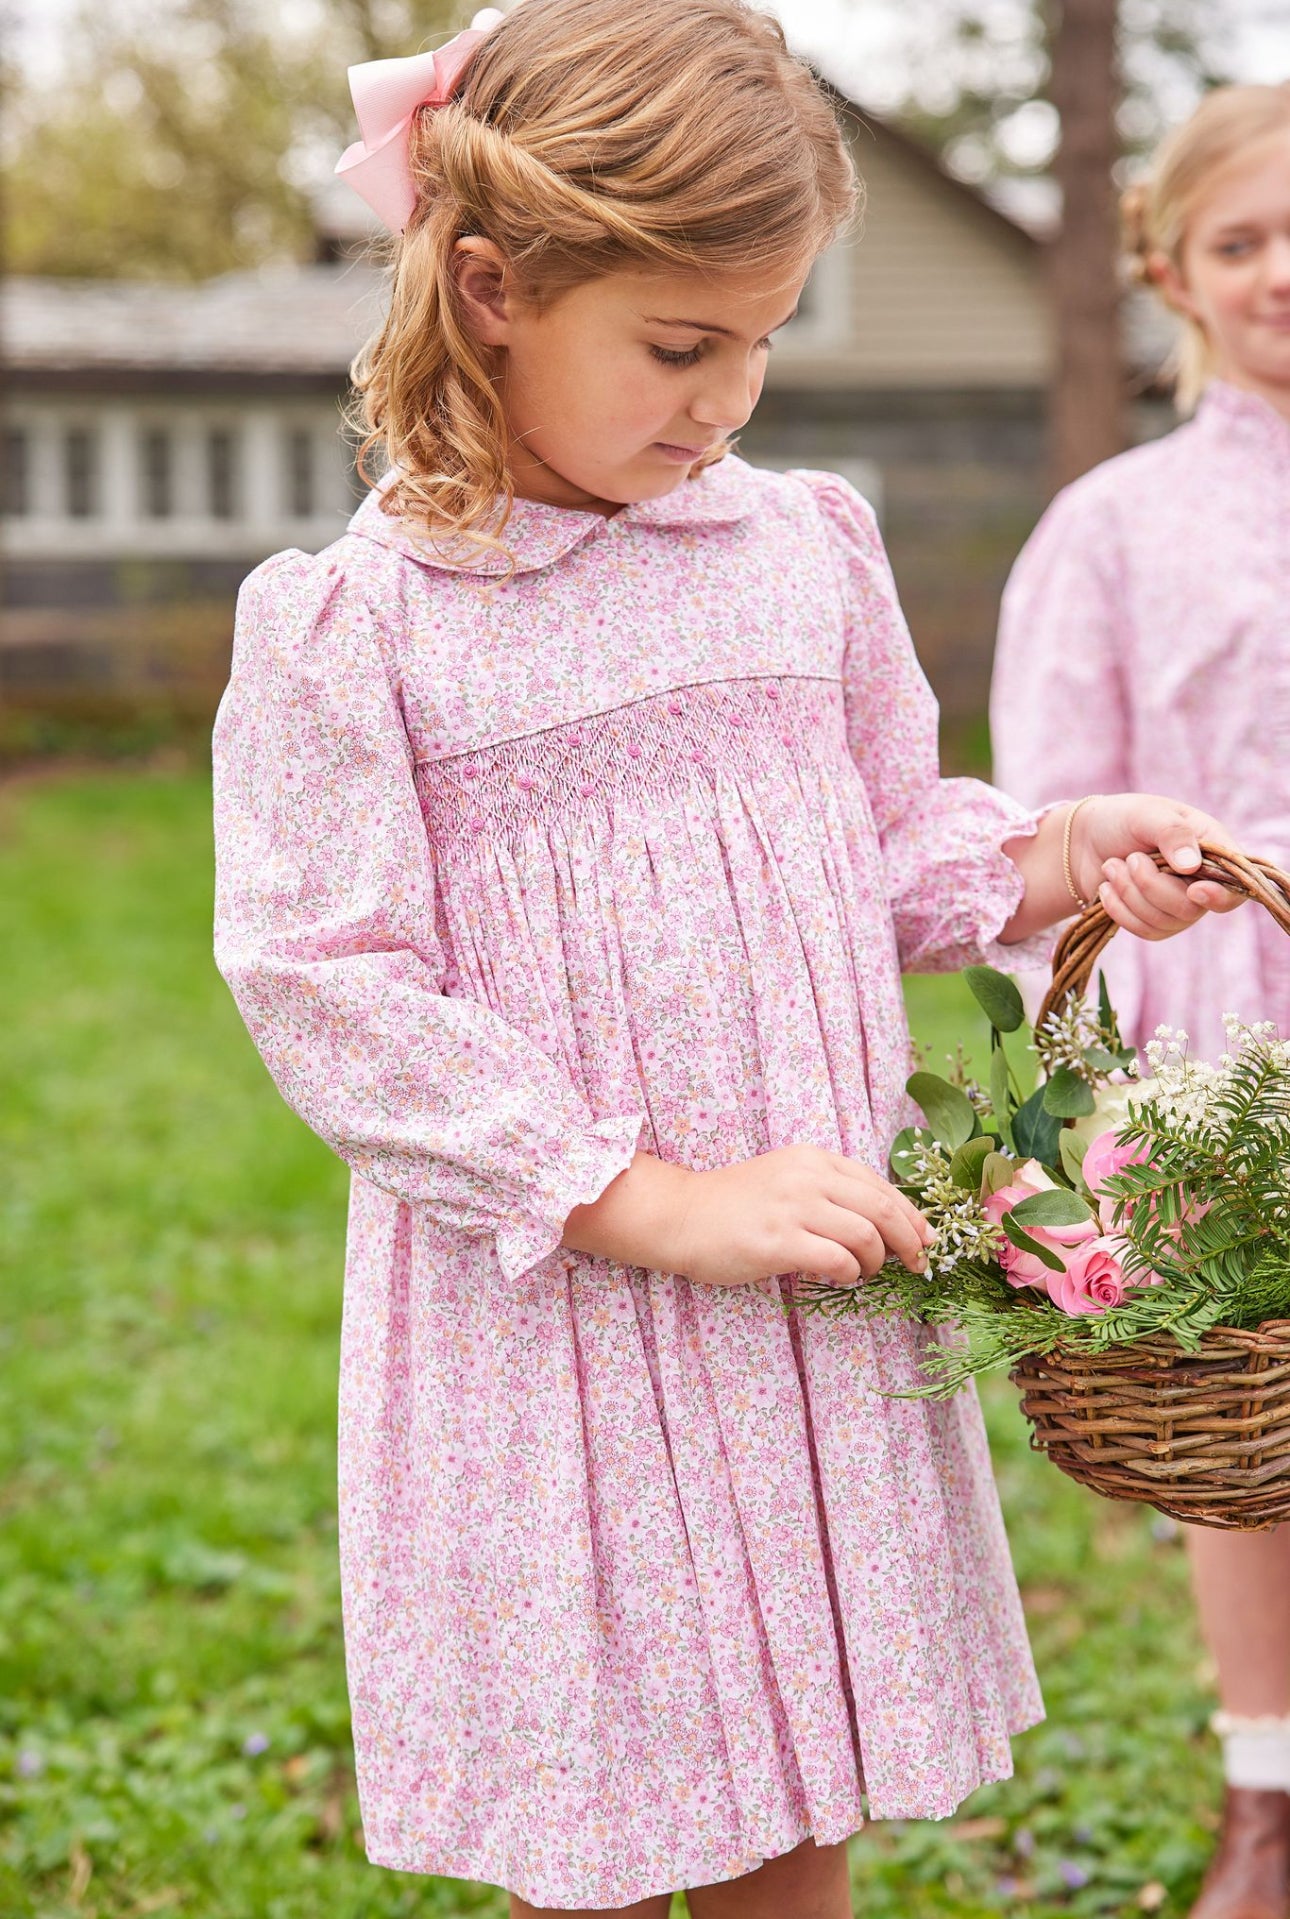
x,y
255,1743
1023,1842
30,1763
1072,1876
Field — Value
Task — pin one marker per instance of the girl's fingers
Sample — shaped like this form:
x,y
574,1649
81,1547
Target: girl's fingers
x,y
1212,898
1164,893
1153,904
868,1192
828,1260
1179,838
862,1228
1110,899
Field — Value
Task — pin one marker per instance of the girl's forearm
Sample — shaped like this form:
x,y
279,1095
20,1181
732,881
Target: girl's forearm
x,y
1038,858
638,1218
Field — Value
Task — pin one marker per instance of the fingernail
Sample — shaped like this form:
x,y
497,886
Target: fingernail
x,y
1187,856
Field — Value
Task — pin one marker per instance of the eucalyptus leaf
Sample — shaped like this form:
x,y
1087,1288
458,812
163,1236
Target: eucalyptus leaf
x,y
1036,1132
998,996
1072,1149
996,1173
1052,1207
1025,1244
905,1149
948,1110
1067,1094
966,1165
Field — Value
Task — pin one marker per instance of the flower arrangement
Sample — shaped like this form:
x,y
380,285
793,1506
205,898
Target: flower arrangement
x,y
1105,1206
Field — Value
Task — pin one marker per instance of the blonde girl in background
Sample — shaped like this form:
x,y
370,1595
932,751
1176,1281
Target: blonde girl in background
x,y
576,812
1145,640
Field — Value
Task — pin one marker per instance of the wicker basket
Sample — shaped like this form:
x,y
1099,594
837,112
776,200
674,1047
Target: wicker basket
x,y
1201,1435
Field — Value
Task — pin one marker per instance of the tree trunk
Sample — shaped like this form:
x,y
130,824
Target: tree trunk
x,y
1088,411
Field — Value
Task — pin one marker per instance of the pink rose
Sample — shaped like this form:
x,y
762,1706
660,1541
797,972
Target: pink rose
x,y
1103,1159
1021,1268
1094,1278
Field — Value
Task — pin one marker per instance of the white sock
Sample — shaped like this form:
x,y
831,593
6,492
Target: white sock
x,y
1256,1752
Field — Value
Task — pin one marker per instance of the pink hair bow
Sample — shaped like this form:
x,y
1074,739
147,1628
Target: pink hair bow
x,y
386,95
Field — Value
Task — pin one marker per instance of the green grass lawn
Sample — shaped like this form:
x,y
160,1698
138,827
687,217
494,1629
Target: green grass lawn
x,y
173,1723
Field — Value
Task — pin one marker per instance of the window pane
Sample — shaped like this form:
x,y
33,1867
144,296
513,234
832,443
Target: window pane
x,y
81,472
221,473
300,473
15,480
157,474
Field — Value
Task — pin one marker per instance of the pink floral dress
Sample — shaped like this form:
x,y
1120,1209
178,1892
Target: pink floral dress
x,y
1145,645
644,1581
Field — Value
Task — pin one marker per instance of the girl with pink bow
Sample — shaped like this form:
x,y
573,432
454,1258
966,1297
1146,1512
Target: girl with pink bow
x,y
577,811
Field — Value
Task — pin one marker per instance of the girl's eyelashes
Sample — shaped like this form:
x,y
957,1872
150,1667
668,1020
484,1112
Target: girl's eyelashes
x,y
690,356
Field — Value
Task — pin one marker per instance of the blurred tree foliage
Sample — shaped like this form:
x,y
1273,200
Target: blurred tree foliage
x,y
977,75
183,135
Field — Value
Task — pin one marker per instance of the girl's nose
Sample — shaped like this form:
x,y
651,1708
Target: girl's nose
x,y
726,399
1276,263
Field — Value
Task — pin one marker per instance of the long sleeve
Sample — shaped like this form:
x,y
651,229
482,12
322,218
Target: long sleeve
x,y
1059,718
325,932
951,887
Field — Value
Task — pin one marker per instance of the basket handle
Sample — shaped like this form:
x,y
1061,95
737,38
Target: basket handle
x,y
1083,940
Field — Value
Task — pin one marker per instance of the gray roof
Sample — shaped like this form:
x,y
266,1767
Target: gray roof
x,y
291,319
277,321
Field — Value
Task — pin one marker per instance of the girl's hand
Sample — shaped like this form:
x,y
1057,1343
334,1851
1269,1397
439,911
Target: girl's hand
x,y
1111,838
796,1210
1110,842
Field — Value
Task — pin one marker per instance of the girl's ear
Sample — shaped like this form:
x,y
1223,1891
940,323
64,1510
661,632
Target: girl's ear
x,y
485,288
1169,282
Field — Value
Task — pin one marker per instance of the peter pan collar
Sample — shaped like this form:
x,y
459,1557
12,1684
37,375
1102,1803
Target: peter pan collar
x,y
536,535
1234,410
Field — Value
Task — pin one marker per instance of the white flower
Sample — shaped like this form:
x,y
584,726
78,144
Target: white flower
x,y
1185,1091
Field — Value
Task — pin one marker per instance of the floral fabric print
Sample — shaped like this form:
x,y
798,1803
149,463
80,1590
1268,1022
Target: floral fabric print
x,y
644,1581
1143,646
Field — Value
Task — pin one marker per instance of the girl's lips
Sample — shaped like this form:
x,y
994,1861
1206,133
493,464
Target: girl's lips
x,y
681,454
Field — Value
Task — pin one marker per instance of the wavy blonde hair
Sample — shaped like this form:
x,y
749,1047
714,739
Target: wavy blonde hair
x,y
587,136
1155,211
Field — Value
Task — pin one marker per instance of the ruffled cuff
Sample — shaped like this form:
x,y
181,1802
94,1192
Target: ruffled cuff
x,y
590,1160
959,887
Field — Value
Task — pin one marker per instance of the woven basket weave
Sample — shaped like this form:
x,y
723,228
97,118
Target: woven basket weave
x,y
1201,1435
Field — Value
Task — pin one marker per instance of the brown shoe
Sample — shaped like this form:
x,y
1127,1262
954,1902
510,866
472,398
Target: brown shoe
x,y
1249,1875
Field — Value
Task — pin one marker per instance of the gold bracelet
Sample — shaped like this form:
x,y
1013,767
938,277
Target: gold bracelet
x,y
1067,874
